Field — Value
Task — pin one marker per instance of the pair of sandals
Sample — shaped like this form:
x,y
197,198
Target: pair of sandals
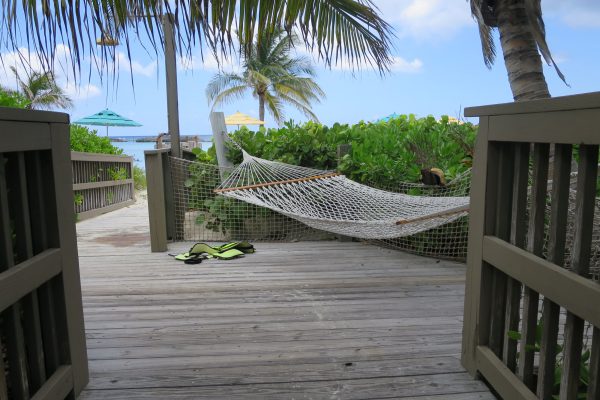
x,y
227,251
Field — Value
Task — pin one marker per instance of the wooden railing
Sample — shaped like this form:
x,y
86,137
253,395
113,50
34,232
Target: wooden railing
x,y
161,211
101,183
42,339
529,292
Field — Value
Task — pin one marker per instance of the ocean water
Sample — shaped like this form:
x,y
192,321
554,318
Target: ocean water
x,y
136,149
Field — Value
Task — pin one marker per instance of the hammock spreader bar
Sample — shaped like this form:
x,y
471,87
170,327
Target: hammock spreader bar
x,y
457,210
259,185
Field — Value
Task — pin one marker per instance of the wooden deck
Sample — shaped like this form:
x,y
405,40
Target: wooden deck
x,y
323,320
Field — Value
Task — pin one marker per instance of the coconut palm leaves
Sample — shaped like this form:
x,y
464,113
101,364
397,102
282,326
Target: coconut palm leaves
x,y
523,38
273,77
41,91
335,29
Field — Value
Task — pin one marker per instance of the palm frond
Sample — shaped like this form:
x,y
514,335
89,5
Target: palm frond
x,y
220,82
275,107
483,11
229,95
483,16
337,29
303,107
41,90
538,29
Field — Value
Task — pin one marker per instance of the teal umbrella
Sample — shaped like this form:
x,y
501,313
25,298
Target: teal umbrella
x,y
106,118
388,118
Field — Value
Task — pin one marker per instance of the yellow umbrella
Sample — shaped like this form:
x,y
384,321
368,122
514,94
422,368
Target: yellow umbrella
x,y
242,119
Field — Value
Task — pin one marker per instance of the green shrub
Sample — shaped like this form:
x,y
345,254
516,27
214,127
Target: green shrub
x,y
139,178
12,98
383,155
87,140
117,174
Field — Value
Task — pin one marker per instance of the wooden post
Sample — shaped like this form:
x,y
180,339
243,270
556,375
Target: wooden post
x,y
342,150
156,200
71,281
477,274
217,121
171,75
132,177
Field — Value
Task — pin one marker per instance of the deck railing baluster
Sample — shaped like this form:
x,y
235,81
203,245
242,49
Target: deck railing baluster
x,y
502,230
561,182
535,243
584,221
518,232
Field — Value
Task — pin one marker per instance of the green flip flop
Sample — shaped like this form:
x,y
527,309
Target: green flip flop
x,y
244,247
199,249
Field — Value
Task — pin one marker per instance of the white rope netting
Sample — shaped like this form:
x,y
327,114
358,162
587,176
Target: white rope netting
x,y
328,201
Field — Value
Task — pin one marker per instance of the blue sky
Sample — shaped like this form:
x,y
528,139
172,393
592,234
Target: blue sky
x,y
438,70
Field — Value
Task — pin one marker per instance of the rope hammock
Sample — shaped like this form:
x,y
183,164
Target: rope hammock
x,y
331,202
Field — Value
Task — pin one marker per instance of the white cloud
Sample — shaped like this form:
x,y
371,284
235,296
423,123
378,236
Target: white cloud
x,y
560,58
426,19
81,92
398,64
136,67
25,61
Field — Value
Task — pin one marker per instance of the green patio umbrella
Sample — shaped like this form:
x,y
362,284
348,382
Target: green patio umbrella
x,y
106,118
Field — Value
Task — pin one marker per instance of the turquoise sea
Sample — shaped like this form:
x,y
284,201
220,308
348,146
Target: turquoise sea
x,y
136,149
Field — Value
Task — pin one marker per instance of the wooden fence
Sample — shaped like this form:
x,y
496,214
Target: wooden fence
x,y
101,183
525,311
42,339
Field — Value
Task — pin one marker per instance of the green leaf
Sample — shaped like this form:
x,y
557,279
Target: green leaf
x,y
514,335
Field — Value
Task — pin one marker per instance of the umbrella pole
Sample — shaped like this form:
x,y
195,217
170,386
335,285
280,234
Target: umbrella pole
x,y
106,130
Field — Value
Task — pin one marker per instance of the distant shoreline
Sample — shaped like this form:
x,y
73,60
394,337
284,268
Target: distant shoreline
x,y
148,139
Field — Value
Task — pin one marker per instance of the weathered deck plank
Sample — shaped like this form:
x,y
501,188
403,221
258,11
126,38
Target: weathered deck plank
x,y
295,320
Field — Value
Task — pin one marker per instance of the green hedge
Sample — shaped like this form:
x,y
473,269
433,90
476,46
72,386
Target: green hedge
x,y
87,140
383,154
12,98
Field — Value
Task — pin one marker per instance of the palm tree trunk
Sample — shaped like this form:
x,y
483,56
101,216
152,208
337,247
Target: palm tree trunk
x,y
521,57
261,107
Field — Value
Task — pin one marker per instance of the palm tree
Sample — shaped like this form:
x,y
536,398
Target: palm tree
x,y
523,39
337,30
41,91
274,77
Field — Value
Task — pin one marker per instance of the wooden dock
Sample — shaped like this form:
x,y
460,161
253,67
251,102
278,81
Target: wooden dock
x,y
320,320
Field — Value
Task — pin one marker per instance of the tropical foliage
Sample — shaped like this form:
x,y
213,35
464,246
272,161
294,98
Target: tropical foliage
x,y
87,140
383,155
343,29
41,91
273,76
523,39
12,98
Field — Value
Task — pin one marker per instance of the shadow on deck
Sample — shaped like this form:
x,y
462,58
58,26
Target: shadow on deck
x,y
321,320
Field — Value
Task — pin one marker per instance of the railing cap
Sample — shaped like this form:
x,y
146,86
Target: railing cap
x,y
157,151
18,114
564,103
83,156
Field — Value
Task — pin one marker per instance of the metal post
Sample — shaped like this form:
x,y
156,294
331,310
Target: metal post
x,y
171,73
217,121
